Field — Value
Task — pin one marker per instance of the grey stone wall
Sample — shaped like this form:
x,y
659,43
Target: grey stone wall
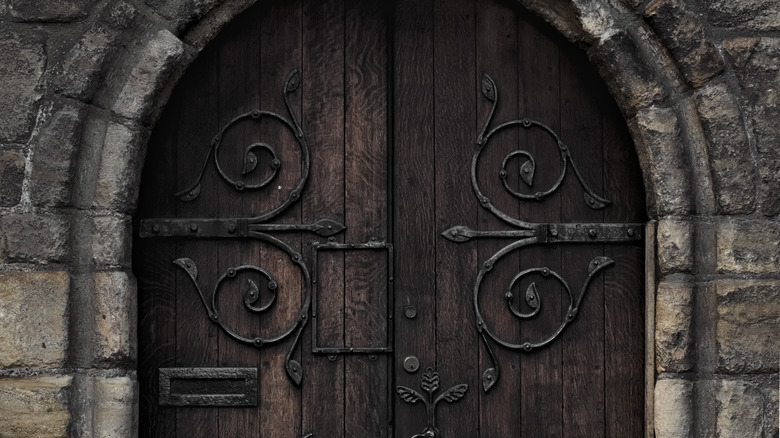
x,y
82,81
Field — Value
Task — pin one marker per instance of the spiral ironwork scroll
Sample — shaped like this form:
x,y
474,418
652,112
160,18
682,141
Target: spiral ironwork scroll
x,y
528,168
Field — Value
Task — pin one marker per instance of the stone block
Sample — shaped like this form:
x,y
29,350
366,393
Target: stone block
x,y
748,247
748,325
661,152
12,164
81,70
34,407
139,94
22,63
111,238
673,408
54,151
769,171
34,238
114,414
675,246
756,63
730,157
684,37
744,14
628,74
739,411
772,409
48,11
120,163
33,322
673,327
115,315
182,13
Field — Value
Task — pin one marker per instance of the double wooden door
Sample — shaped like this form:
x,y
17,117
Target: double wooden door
x,y
418,218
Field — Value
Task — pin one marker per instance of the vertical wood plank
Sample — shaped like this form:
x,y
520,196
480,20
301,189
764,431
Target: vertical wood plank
x,y
280,39
413,199
455,80
541,380
366,212
323,123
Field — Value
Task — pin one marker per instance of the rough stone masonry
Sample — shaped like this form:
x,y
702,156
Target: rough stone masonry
x,y
82,82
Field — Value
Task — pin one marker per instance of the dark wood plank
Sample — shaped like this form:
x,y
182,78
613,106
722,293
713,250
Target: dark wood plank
x,y
414,223
280,39
197,338
323,123
583,340
497,56
366,211
457,348
239,62
541,379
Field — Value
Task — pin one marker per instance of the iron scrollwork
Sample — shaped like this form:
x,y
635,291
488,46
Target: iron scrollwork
x,y
532,233
429,382
256,227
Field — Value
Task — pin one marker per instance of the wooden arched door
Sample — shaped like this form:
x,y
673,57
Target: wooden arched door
x,y
412,218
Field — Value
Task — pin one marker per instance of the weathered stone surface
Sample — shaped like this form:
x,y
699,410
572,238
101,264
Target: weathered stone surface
x,y
81,70
114,410
22,63
182,13
11,176
120,163
748,247
656,132
139,93
748,325
744,14
673,408
626,71
34,407
684,37
111,241
595,17
51,11
772,409
54,151
673,326
33,322
769,190
115,315
730,157
675,246
740,410
37,238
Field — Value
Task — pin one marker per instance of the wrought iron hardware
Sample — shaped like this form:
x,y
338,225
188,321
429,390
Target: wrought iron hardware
x,y
527,233
208,387
256,227
429,382
317,248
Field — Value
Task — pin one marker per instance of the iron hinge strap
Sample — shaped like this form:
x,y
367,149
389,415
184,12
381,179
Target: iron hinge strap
x,y
556,233
229,227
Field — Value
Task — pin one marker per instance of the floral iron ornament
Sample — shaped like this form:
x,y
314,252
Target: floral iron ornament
x,y
429,382
527,233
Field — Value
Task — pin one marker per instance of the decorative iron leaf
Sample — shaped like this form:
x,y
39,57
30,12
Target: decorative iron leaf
x,y
532,296
328,227
250,162
594,203
453,394
295,372
190,193
458,234
293,81
527,172
430,380
252,292
489,378
488,88
189,266
408,395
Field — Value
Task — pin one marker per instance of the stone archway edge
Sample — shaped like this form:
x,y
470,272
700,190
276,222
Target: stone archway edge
x,y
695,85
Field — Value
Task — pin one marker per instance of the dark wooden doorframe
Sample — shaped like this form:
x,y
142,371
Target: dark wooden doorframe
x,y
411,100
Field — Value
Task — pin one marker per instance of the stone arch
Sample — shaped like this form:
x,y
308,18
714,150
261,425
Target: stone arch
x,y
142,51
